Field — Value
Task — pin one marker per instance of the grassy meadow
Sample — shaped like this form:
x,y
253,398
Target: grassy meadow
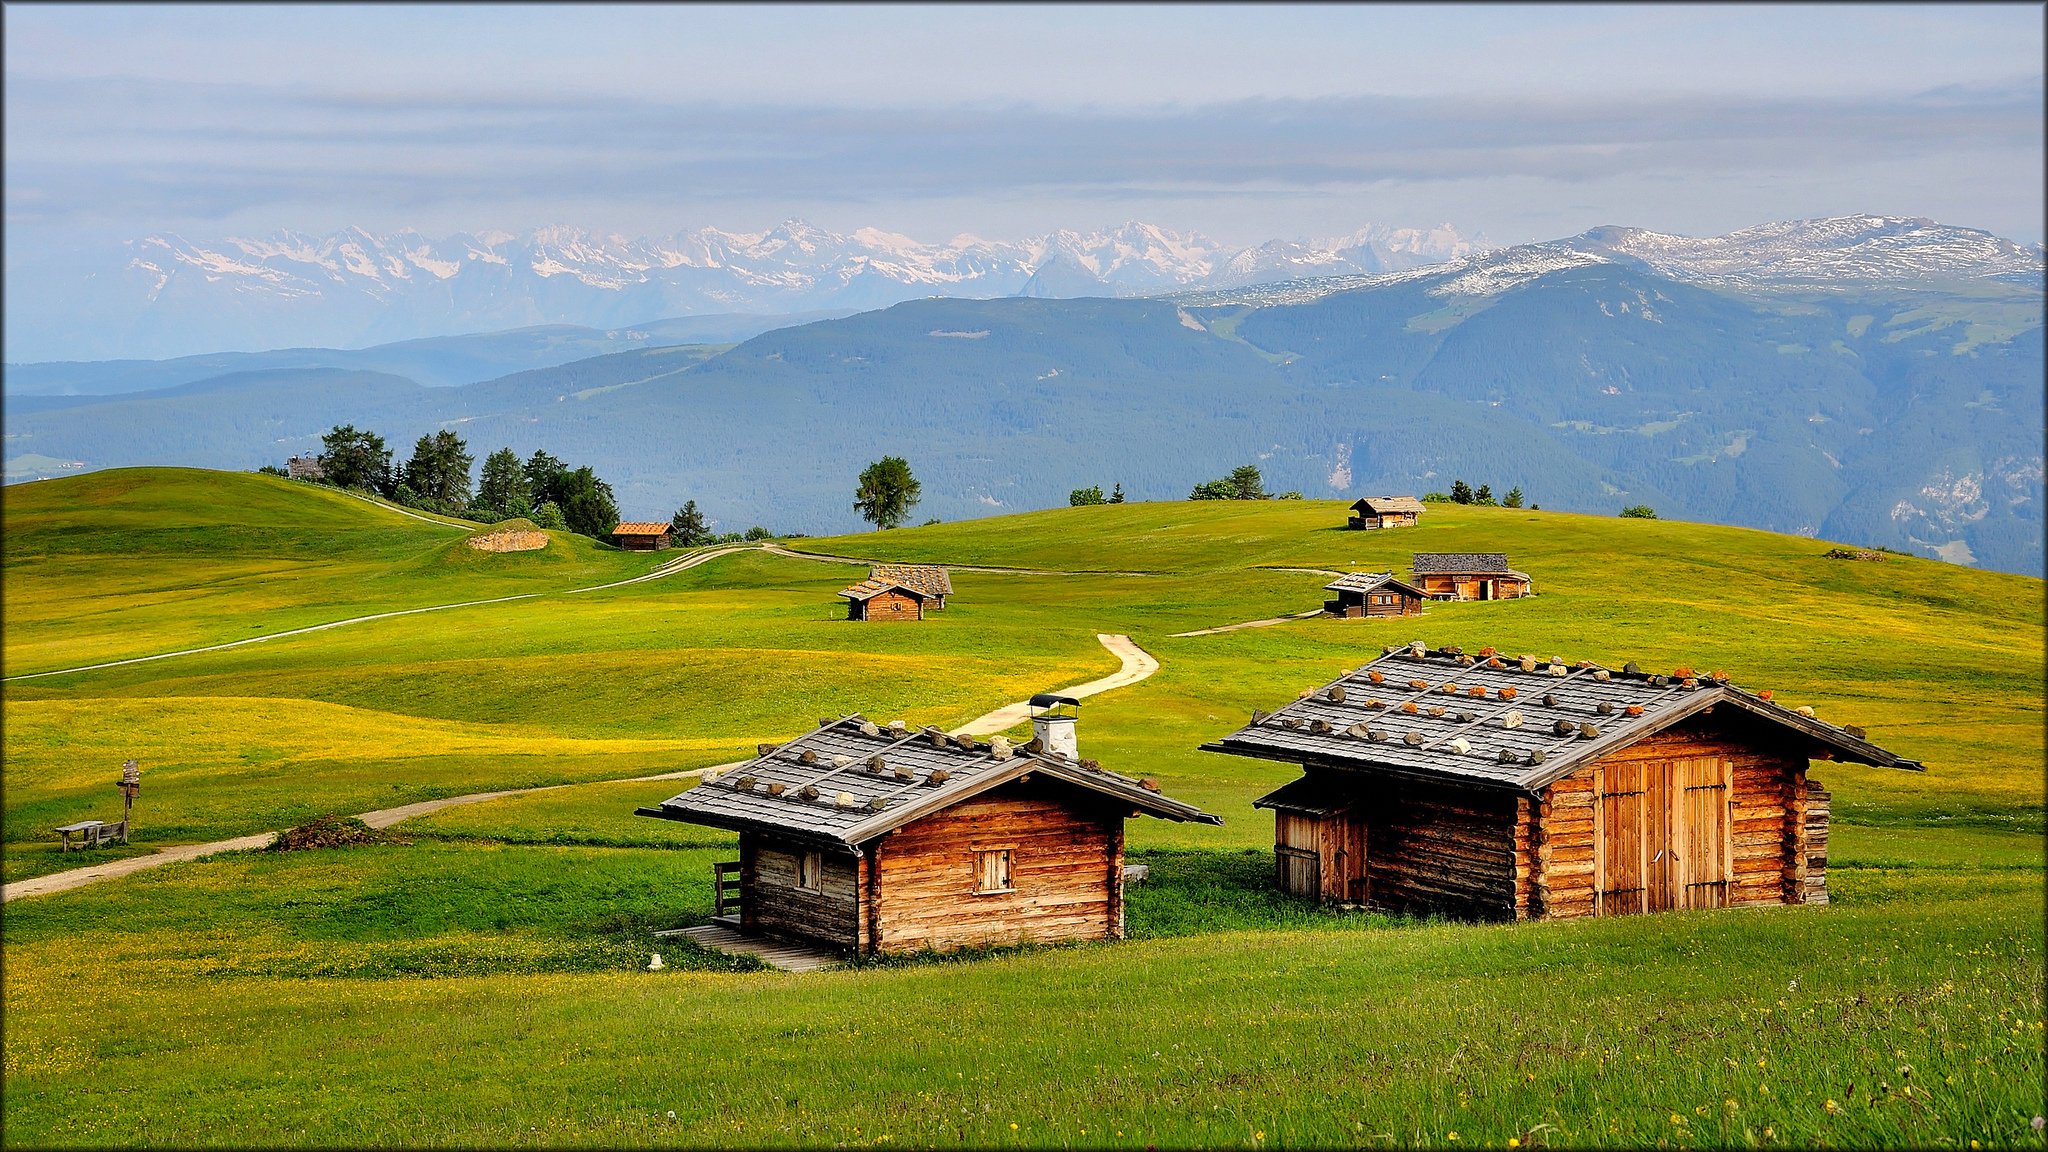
x,y
483,983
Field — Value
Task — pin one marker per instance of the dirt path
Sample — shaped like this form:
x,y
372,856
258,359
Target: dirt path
x,y
688,560
1137,664
794,554
1267,623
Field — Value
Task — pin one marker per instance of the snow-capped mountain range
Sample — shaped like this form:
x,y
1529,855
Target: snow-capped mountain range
x,y
169,295
1898,251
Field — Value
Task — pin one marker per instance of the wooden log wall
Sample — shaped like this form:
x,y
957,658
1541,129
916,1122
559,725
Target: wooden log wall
x,y
1817,799
771,901
890,606
1066,873
1445,849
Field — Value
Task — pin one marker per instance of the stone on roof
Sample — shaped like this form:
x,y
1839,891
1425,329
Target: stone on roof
x,y
849,780
1512,722
1465,564
931,579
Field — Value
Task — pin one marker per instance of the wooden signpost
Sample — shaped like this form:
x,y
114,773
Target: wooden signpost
x,y
131,783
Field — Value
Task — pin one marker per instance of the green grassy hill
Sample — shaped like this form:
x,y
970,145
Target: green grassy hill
x,y
482,984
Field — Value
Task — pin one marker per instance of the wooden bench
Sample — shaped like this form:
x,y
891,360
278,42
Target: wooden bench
x,y
93,833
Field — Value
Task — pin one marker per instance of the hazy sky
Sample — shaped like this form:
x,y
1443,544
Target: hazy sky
x,y
1518,122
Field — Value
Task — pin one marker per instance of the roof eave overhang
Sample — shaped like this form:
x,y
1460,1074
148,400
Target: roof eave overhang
x,y
741,824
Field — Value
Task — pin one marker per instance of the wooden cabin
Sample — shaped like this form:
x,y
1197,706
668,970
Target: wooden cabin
x,y
1470,576
1385,512
931,579
878,599
868,839
641,536
1496,787
1373,595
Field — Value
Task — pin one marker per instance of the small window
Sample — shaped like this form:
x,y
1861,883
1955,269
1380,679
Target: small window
x,y
809,869
992,871
1383,598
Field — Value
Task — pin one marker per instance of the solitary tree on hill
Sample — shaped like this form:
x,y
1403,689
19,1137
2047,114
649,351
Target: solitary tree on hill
x,y
1116,495
1249,484
1484,495
687,527
887,492
1513,499
353,459
1461,492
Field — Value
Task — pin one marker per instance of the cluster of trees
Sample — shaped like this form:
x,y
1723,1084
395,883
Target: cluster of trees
x,y
1093,495
688,529
437,479
1243,483
1463,493
1640,512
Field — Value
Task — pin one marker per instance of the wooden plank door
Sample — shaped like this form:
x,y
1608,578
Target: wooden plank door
x,y
1620,855
1701,841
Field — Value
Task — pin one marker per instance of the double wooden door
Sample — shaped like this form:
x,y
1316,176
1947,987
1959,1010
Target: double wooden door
x,y
1661,835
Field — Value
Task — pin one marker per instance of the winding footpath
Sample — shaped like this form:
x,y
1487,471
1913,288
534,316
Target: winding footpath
x,y
687,560
1137,664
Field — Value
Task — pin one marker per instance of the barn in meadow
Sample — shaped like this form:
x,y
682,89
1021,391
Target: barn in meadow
x,y
1372,596
1470,576
898,592
642,536
868,839
1385,512
1513,788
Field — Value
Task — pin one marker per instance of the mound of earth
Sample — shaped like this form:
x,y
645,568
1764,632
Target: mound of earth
x,y
331,832
510,536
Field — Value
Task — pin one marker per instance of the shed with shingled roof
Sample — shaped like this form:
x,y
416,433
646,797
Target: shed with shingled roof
x,y
1385,512
1373,595
1470,576
869,838
931,579
1505,787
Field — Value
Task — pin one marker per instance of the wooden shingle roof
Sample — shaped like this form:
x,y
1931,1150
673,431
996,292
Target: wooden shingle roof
x,y
849,780
641,528
1372,582
1510,722
1382,505
1465,564
874,586
930,579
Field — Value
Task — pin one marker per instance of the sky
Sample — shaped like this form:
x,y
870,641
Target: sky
x,y
1510,122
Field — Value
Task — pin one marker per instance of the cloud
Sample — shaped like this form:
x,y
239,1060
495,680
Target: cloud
x,y
145,155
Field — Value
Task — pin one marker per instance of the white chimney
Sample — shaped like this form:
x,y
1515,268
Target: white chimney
x,y
1052,726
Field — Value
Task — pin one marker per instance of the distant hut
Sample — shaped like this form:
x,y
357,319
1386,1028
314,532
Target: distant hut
x,y
1515,788
1385,512
870,839
641,536
931,579
1371,595
304,468
1470,576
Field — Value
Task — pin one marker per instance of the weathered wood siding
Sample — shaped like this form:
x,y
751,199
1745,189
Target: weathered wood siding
x,y
1717,805
636,543
771,901
1442,848
1364,605
1066,873
1321,857
887,606
1387,520
1468,587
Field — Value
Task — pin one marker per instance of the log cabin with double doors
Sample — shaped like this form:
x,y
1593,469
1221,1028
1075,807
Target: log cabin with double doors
x,y
866,839
1470,576
1372,596
1494,787
642,536
1385,512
